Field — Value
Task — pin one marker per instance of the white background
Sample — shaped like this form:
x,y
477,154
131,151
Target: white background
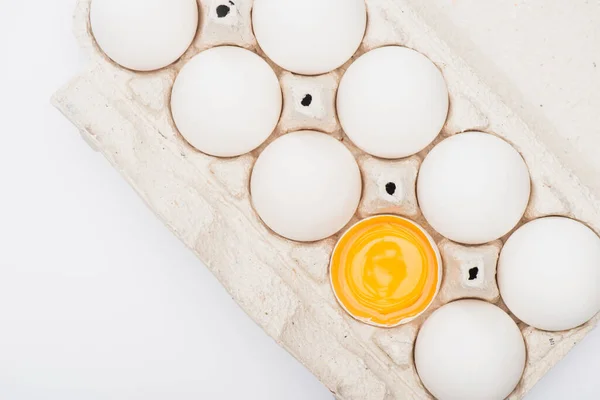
x,y
97,299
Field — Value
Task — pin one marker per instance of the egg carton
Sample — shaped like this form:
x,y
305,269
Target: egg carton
x,y
283,285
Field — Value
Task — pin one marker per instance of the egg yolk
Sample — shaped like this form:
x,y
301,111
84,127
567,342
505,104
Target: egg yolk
x,y
385,270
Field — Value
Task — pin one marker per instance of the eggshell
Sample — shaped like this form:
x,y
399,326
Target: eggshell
x,y
306,186
144,35
473,188
549,273
309,37
226,101
392,102
470,350
386,270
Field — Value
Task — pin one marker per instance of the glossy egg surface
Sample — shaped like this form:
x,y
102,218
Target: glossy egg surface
x,y
385,270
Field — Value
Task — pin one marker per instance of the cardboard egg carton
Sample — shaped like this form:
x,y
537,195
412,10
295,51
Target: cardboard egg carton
x,y
284,285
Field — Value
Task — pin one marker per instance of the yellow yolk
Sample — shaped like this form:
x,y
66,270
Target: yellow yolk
x,y
385,270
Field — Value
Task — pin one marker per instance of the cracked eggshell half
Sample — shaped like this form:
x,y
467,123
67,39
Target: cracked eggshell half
x,y
386,270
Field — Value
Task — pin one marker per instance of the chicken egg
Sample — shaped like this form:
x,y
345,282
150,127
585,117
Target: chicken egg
x,y
470,350
473,188
549,273
385,270
144,35
306,186
392,102
226,101
309,37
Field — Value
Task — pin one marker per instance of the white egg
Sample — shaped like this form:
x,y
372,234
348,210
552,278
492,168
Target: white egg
x,y
470,350
549,273
309,37
473,188
226,101
144,35
306,186
392,102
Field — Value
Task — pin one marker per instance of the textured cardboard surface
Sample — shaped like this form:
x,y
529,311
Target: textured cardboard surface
x,y
283,285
